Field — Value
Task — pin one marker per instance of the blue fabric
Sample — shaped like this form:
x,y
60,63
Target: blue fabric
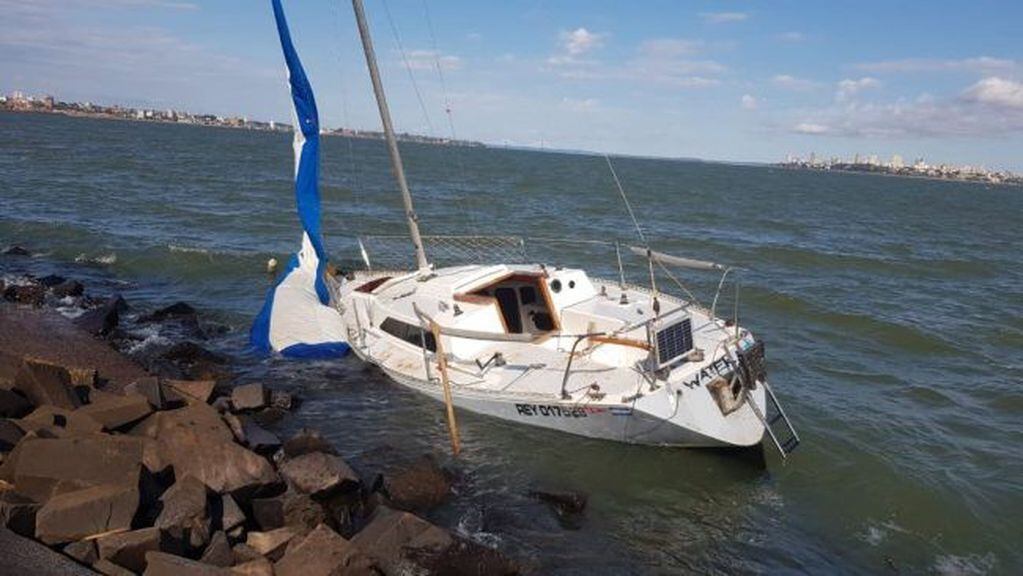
x,y
259,334
325,350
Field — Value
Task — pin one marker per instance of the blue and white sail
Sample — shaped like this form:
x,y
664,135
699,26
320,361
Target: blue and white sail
x,y
297,319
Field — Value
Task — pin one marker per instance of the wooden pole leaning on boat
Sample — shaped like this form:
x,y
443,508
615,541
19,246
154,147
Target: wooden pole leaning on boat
x,y
442,363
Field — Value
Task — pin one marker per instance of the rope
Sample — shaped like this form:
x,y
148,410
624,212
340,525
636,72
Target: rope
x,y
408,68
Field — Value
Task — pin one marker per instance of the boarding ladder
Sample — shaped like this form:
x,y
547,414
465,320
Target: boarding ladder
x,y
752,372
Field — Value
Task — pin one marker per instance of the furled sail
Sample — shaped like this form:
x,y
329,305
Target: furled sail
x,y
297,319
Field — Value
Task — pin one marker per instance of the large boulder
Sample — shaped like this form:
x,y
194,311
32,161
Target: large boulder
x,y
148,387
257,567
13,405
189,391
319,474
10,435
84,551
46,383
270,544
196,442
231,515
18,513
128,549
306,441
324,553
291,509
568,507
416,486
163,564
67,288
26,294
103,319
258,438
218,552
249,397
115,411
59,421
176,310
185,514
46,467
401,542
19,555
87,512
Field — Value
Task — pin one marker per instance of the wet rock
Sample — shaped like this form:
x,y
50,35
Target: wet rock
x,y
291,509
319,474
59,421
176,310
163,564
84,551
270,544
195,441
47,467
231,515
86,512
108,568
116,411
218,552
103,319
185,513
16,250
13,405
567,506
128,549
51,280
46,383
323,553
10,435
417,486
257,567
67,288
191,353
189,391
282,400
18,513
249,397
269,416
150,389
33,294
258,438
307,441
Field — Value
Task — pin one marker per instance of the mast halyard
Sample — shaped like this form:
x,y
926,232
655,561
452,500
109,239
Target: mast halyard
x,y
392,142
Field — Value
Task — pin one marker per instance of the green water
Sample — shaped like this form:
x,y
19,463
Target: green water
x,y
892,311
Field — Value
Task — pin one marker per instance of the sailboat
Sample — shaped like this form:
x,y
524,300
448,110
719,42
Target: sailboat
x,y
534,343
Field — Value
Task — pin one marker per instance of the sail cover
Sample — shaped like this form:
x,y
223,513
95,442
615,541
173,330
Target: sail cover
x,y
297,319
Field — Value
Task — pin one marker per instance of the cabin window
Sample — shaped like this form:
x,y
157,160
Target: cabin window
x,y
409,333
527,294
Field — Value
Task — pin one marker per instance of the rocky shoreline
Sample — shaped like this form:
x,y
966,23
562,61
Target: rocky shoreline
x,y
160,464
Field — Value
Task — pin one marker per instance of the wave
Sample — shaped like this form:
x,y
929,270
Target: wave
x,y
101,260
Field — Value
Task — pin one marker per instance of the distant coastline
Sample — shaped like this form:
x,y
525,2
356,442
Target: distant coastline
x,y
919,169
18,102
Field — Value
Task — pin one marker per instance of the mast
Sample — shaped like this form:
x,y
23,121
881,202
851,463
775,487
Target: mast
x,y
392,142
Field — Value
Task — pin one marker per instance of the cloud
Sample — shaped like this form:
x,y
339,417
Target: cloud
x,y
791,37
580,104
430,60
666,61
722,17
580,41
847,89
980,64
997,92
788,82
811,128
748,102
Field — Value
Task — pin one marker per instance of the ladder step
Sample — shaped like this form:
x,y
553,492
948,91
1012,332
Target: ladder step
x,y
790,445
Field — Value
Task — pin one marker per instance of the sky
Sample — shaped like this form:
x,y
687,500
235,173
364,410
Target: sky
x,y
732,81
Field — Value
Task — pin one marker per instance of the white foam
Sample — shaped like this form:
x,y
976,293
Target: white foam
x,y
969,565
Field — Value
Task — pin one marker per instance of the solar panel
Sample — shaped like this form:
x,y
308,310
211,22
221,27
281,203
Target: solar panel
x,y
674,341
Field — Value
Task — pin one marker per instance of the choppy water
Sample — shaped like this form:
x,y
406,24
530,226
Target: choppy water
x,y
892,311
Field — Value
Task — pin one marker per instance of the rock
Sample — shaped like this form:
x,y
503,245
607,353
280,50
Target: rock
x,y
244,553
86,512
18,513
257,567
190,391
258,438
307,441
270,544
163,564
281,400
48,467
128,549
118,411
191,353
418,486
13,405
567,506
291,509
195,441
150,389
67,288
231,514
176,310
108,568
185,514
45,383
56,419
16,250
269,416
319,474
401,542
324,553
218,552
10,435
83,551
51,280
21,556
235,424
222,404
249,397
25,294
103,319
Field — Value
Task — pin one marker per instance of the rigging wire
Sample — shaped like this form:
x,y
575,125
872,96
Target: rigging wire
x,y
639,231
408,68
345,117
